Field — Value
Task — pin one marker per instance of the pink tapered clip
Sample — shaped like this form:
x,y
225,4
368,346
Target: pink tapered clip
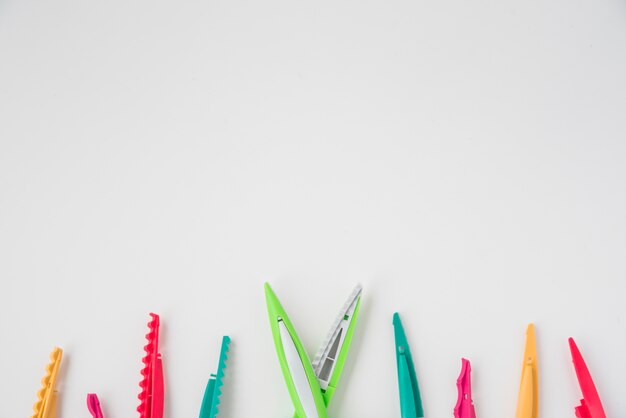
x,y
590,405
93,404
464,405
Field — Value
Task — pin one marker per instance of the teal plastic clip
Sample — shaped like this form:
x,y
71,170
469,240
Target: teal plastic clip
x,y
211,399
410,399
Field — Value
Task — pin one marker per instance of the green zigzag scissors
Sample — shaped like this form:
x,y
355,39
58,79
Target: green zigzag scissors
x,y
211,399
312,385
410,398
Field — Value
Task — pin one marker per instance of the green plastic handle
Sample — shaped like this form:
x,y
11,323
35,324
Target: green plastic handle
x,y
278,318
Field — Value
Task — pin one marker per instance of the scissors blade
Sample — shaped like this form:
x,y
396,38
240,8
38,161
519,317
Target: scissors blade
x,y
330,359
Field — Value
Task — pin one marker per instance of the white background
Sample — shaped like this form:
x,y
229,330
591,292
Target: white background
x,y
463,160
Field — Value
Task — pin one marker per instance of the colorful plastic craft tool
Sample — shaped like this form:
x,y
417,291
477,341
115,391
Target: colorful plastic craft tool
x,y
527,401
93,404
211,400
45,407
464,405
410,399
590,405
151,396
312,385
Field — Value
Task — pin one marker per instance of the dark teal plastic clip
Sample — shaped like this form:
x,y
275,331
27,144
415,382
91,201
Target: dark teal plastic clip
x,y
410,399
213,390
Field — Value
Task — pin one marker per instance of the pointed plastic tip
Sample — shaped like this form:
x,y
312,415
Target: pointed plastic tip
x,y
92,400
466,368
396,319
464,405
530,348
530,331
154,319
226,343
272,302
573,348
269,292
93,404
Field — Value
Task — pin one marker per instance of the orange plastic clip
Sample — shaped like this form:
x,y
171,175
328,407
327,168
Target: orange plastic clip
x,y
45,406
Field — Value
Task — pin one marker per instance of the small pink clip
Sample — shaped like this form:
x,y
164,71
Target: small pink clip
x,y
464,405
93,404
590,405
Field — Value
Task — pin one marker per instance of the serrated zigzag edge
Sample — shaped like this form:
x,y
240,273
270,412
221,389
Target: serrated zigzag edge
x,y
46,381
149,349
219,375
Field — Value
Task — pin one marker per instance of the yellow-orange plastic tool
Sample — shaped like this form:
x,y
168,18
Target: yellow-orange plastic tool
x,y
527,401
45,407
